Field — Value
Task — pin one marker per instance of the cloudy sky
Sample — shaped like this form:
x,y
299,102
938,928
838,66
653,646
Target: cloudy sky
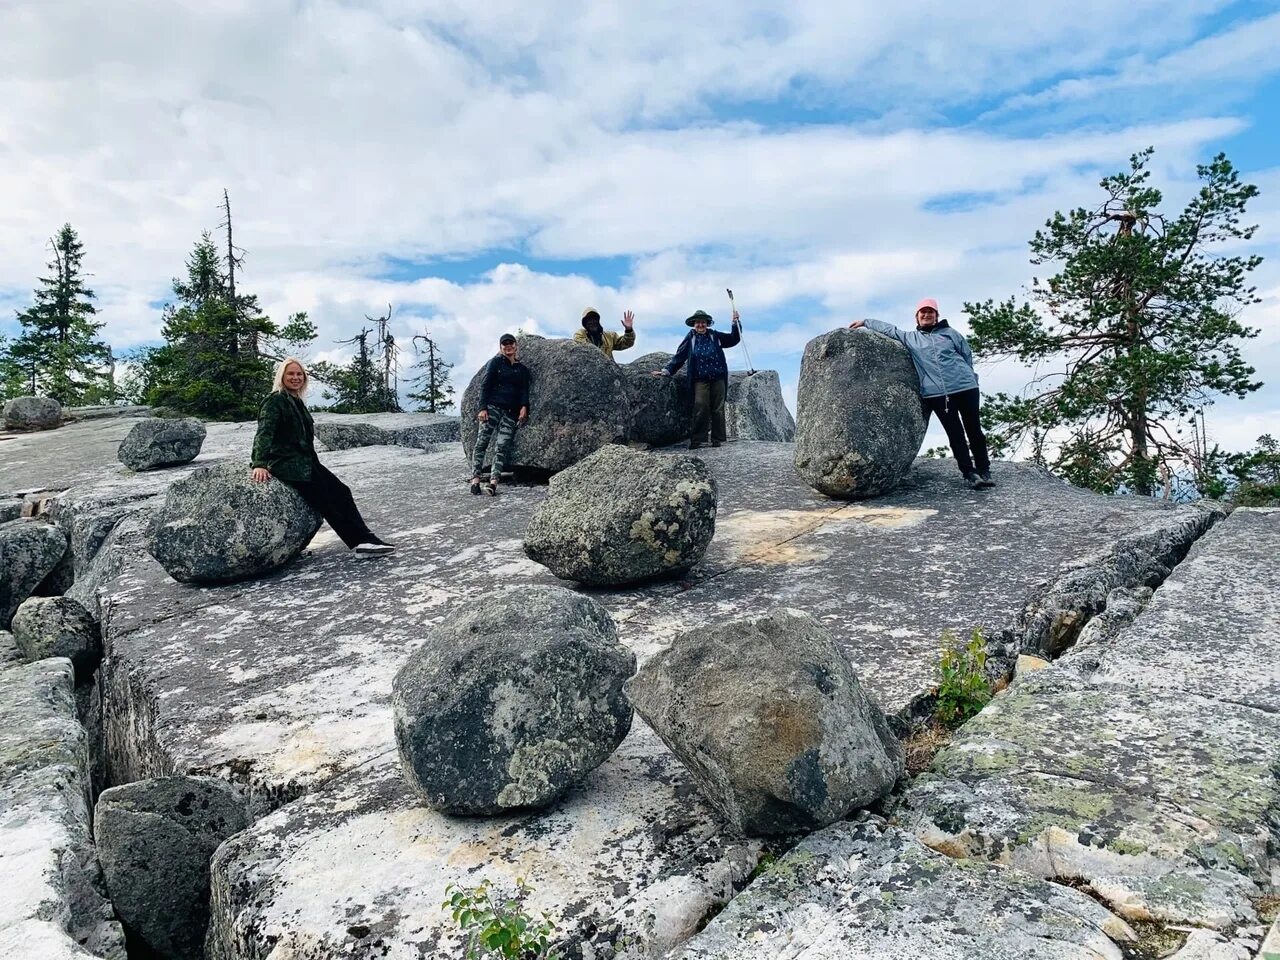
x,y
487,166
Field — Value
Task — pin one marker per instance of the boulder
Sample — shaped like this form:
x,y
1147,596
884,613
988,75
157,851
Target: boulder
x,y
624,516
32,413
217,526
58,627
859,420
344,436
29,552
511,700
155,839
10,652
661,407
772,722
577,404
156,443
754,408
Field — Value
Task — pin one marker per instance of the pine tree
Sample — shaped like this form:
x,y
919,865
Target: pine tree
x,y
58,351
434,392
1139,325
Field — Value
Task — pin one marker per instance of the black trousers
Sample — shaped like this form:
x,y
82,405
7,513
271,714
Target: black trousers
x,y
958,414
332,499
708,411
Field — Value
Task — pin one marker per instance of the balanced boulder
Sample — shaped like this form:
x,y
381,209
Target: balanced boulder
x,y
58,627
511,700
661,407
217,525
32,413
29,552
624,516
156,443
155,839
345,436
577,405
754,408
859,419
772,722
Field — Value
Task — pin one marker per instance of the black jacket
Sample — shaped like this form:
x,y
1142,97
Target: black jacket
x,y
685,351
506,385
285,441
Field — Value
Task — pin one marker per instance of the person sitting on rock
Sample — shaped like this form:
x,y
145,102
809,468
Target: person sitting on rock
x,y
504,406
948,385
284,448
606,340
708,374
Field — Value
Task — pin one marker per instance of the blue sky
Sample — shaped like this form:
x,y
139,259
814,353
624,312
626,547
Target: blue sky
x,y
487,167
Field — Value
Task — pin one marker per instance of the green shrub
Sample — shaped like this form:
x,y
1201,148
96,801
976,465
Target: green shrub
x,y
964,688
497,926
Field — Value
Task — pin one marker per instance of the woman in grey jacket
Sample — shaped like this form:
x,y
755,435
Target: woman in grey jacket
x,y
948,385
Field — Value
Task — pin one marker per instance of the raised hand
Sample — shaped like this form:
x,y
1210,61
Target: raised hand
x,y
628,318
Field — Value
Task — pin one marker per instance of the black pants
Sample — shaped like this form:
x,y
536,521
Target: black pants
x,y
332,499
958,414
708,411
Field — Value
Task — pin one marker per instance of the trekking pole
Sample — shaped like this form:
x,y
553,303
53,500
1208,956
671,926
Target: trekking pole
x,y
742,342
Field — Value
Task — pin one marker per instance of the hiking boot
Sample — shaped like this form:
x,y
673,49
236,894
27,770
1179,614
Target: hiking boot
x,y
973,480
374,549
985,479
475,486
695,446
491,489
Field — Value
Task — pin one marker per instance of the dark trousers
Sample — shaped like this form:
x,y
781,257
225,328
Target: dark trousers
x,y
332,499
708,410
958,414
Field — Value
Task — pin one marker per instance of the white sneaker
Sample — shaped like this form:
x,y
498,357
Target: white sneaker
x,y
374,549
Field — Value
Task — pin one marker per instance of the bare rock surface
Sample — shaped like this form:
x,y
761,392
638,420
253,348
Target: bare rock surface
x,y
1142,766
511,701
859,420
623,516
29,552
866,891
32,413
52,889
342,431
661,407
156,443
58,627
754,408
771,720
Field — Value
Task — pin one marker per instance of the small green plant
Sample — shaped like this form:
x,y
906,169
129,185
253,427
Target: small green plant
x,y
964,689
497,926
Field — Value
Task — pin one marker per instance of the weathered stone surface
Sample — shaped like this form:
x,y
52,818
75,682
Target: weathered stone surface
x,y
51,876
40,940
661,407
128,533
153,444
359,868
10,509
59,579
105,412
10,652
58,627
1142,766
577,404
754,408
623,516
155,839
419,430
345,436
217,526
510,702
32,413
29,551
864,891
771,720
859,420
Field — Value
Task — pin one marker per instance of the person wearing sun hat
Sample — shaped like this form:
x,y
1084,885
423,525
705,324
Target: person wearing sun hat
x,y
606,340
708,373
948,385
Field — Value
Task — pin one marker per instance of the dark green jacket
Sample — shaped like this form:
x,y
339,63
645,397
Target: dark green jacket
x,y
285,441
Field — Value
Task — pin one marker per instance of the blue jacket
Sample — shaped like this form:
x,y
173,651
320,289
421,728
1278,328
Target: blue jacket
x,y
941,356
684,351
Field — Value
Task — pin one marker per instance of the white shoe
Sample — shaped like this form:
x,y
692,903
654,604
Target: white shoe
x,y
374,549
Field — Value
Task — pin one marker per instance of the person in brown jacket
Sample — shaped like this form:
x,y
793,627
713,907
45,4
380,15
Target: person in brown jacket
x,y
606,340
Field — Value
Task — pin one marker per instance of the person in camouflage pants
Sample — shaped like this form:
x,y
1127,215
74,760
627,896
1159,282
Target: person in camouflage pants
x,y
504,406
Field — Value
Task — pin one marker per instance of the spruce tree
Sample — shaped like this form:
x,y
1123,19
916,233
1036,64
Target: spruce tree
x,y
433,392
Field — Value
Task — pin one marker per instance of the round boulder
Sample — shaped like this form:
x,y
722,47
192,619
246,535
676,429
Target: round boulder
x,y
754,408
859,419
32,413
345,436
577,404
156,443
217,526
47,627
661,407
772,722
624,516
511,701
29,552
155,839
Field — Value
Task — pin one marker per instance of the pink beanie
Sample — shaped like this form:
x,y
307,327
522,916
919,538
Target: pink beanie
x,y
927,302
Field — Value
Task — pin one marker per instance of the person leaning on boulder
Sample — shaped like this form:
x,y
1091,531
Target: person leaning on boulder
x,y
708,373
284,448
948,385
606,340
504,406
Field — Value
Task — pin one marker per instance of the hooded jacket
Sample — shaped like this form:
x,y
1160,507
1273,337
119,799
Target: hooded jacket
x,y
942,357
609,341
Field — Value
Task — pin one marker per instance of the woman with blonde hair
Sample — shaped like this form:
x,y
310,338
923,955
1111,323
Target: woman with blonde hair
x,y
284,448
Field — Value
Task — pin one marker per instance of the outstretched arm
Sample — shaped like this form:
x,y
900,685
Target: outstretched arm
x,y
888,329
681,355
